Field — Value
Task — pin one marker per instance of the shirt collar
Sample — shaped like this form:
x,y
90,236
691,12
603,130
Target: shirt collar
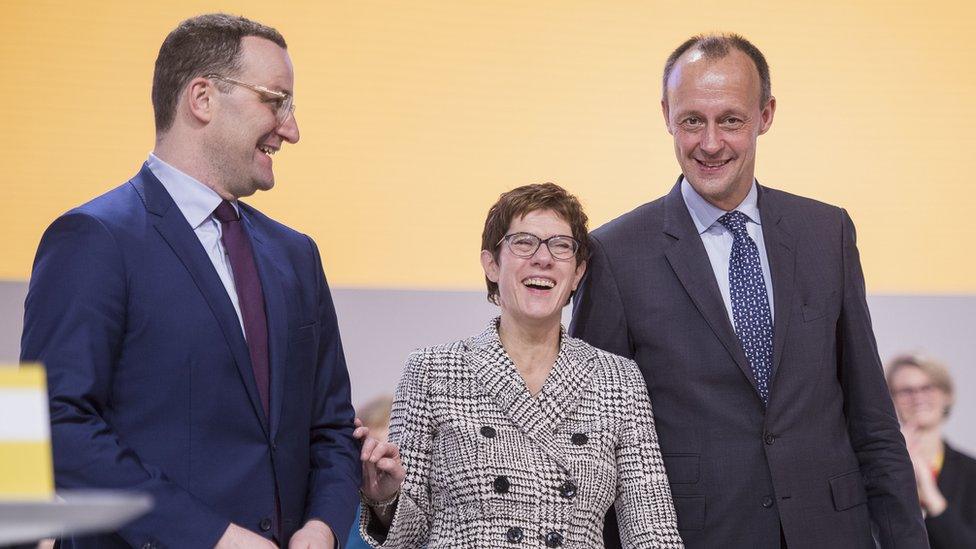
x,y
705,214
195,200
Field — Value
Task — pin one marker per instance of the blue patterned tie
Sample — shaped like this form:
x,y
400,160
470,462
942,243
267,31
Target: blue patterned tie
x,y
750,304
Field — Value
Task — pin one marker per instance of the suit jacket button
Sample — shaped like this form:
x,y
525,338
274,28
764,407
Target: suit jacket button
x,y
265,524
149,545
554,539
488,432
501,484
514,534
567,489
769,438
579,439
767,502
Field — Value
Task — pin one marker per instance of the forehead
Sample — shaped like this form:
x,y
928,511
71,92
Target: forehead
x,y
728,82
266,63
542,223
909,375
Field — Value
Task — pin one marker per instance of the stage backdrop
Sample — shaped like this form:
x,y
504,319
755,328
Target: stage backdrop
x,y
416,115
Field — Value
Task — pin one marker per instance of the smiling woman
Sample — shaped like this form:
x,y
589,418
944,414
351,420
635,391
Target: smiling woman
x,y
538,419
923,393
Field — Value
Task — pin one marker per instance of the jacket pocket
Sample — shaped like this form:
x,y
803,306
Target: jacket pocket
x,y
690,511
848,490
682,468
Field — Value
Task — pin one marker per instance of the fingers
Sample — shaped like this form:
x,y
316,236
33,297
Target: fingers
x,y
361,431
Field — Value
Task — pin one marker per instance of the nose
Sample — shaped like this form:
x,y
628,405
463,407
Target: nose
x,y
288,130
711,140
542,256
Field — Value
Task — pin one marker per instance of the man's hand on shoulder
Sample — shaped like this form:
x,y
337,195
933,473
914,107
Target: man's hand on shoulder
x,y
236,537
314,535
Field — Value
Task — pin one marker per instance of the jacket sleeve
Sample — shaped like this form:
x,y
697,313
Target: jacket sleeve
x,y
598,310
872,424
411,428
645,510
335,470
75,324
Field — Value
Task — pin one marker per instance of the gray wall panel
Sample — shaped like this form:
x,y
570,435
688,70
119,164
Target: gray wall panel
x,y
381,327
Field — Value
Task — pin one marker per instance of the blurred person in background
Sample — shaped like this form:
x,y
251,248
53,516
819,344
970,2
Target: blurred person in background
x,y
923,394
375,416
522,434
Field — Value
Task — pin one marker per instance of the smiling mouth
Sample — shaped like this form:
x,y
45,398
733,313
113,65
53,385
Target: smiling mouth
x,y
712,165
539,283
267,149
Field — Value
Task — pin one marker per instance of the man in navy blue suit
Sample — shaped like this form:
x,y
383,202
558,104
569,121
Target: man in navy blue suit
x,y
190,341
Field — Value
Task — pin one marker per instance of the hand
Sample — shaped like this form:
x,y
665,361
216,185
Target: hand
x,y
236,537
314,535
929,495
383,472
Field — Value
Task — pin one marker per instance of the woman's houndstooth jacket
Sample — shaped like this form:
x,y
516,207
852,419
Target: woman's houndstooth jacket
x,y
489,465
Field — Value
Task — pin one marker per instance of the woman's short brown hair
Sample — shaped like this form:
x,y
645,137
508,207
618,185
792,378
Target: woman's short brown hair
x,y
524,200
936,371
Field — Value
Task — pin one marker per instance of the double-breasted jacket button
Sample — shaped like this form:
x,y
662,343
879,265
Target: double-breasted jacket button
x,y
567,489
514,534
265,524
579,439
501,484
488,431
769,438
554,539
767,502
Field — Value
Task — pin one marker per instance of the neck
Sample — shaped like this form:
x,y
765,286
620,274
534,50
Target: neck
x,y
928,442
180,154
533,347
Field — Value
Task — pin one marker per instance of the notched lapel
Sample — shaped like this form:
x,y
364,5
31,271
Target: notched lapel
x,y
781,253
536,417
174,229
275,311
690,264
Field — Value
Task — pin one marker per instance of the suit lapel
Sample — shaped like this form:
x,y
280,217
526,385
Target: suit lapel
x,y
536,417
780,251
691,265
275,310
178,234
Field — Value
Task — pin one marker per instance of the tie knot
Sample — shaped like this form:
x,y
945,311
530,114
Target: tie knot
x,y
225,212
735,222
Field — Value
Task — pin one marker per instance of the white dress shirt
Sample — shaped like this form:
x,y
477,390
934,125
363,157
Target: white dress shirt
x,y
718,240
197,203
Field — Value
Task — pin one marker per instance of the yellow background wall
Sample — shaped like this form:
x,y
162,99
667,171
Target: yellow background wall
x,y
415,116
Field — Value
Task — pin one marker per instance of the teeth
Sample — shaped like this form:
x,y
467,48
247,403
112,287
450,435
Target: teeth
x,y
544,282
267,150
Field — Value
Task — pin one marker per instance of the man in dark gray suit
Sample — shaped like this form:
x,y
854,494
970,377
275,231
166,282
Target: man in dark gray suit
x,y
745,308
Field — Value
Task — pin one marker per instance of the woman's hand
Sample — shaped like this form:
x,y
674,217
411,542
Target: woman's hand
x,y
383,472
929,495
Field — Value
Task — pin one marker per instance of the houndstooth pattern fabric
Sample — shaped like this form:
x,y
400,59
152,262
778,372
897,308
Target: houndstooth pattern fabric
x,y
750,304
489,465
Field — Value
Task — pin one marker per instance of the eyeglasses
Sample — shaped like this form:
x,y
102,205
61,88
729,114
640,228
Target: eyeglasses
x,y
525,245
908,392
283,102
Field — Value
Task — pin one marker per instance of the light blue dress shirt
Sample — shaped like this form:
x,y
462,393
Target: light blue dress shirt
x,y
718,240
197,202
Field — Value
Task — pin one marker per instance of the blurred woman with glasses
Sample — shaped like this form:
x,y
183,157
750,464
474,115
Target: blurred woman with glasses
x,y
923,394
522,434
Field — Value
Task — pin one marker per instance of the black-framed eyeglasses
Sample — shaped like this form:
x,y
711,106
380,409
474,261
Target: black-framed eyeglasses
x,y
283,102
525,245
907,392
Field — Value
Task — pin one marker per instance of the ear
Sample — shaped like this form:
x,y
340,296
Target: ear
x,y
580,270
767,115
489,265
667,115
200,99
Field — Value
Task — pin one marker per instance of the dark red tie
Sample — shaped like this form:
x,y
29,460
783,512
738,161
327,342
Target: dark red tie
x,y
249,295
